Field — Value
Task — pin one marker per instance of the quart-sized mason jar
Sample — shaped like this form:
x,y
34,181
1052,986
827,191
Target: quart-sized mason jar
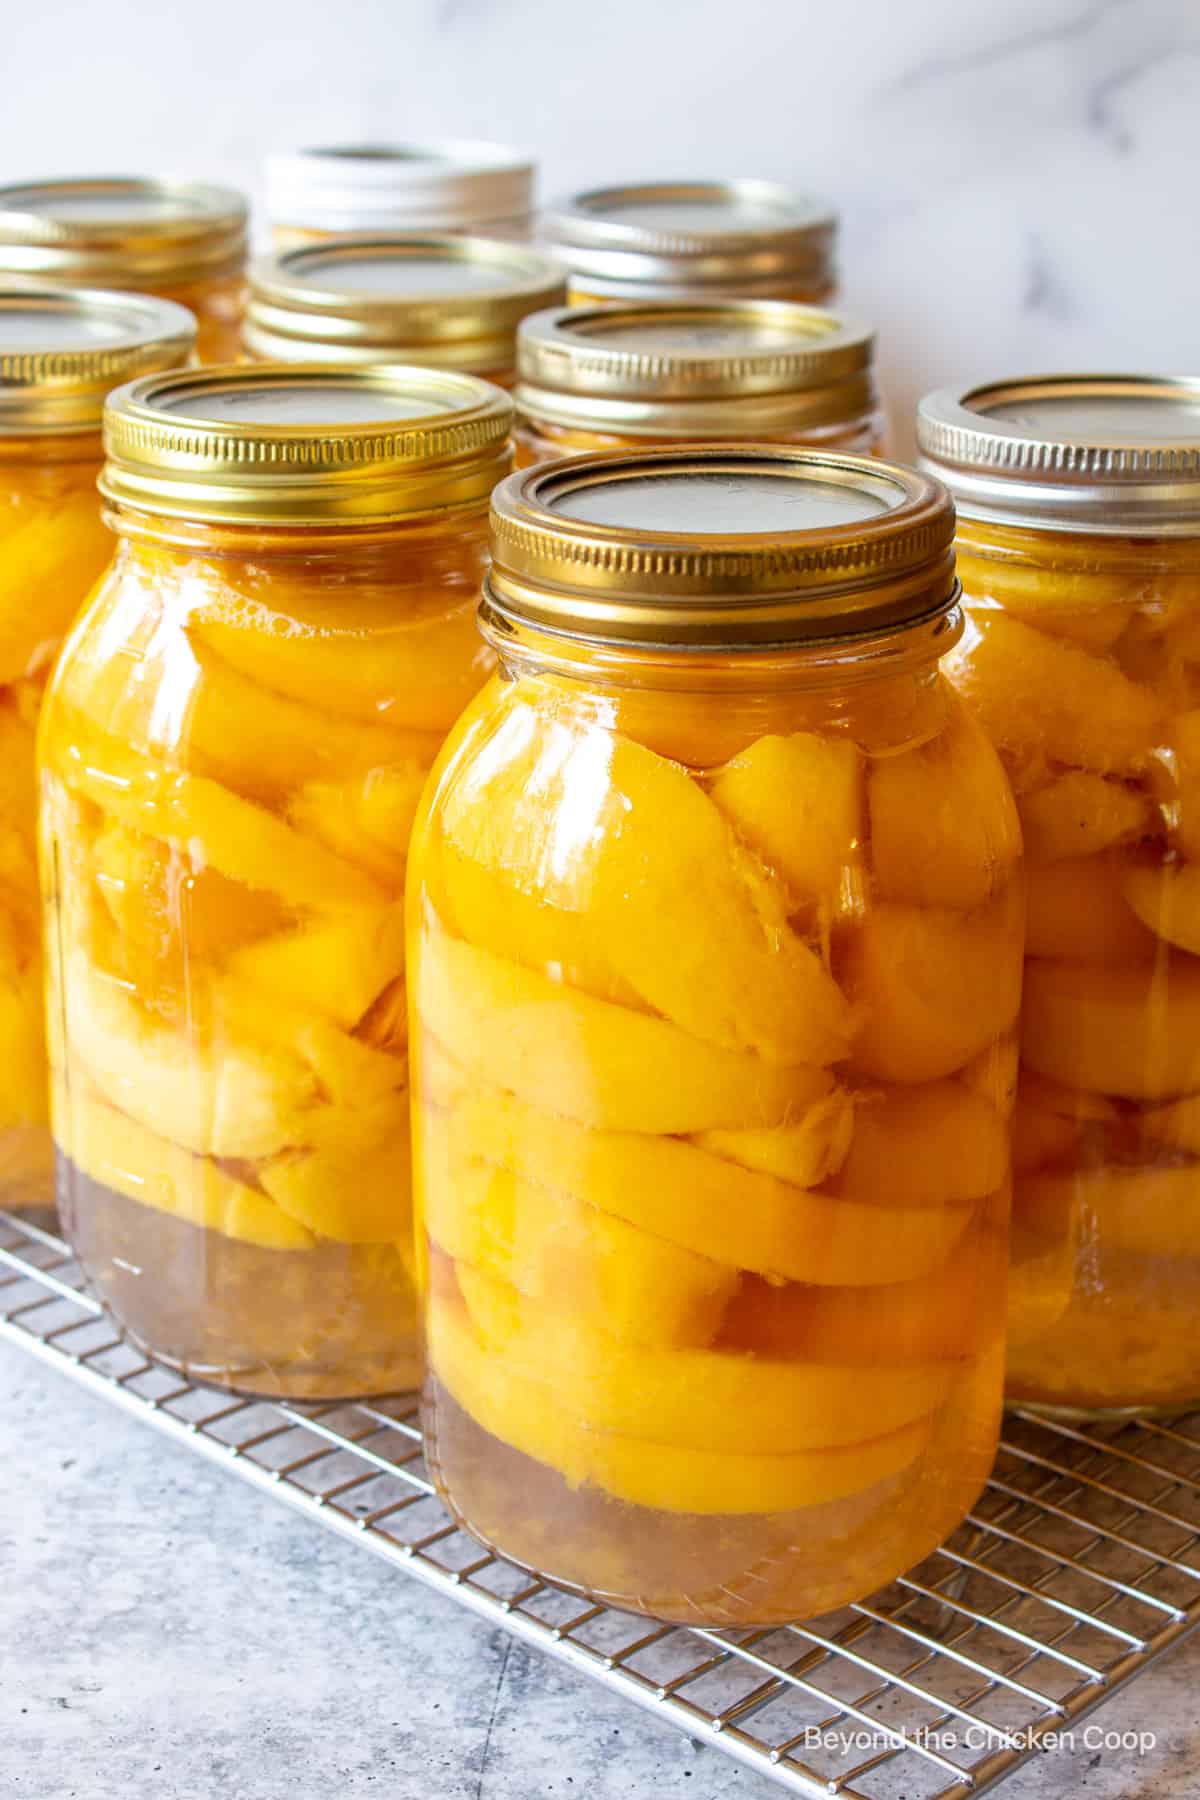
x,y
232,750
441,302
452,184
715,930
180,240
705,372
1079,548
60,352
694,240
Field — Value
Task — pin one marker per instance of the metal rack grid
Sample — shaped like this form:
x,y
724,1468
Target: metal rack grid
x,y
1079,1566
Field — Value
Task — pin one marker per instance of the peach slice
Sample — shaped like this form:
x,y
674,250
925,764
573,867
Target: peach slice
x,y
1149,1211
798,801
676,904
338,967
217,828
1080,814
949,1312
357,1193
932,1145
670,1396
589,1060
1166,898
805,1154
49,564
1132,1029
1041,1278
134,1161
944,829
933,986
738,1217
233,1102
157,898
1078,910
559,1250
1039,698
661,1476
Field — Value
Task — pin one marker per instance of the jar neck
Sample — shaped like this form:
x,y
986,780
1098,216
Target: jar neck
x,y
1082,552
702,707
47,449
155,537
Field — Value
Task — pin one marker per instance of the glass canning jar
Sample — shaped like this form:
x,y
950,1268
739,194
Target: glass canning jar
x,y
453,184
442,302
180,240
60,352
704,372
715,923
1079,548
694,240
232,750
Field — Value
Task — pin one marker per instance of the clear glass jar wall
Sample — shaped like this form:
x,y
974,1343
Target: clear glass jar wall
x,y
708,371
715,974
233,749
58,353
180,241
1082,661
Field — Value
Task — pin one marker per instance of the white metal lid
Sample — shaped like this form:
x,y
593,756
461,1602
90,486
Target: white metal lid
x,y
444,185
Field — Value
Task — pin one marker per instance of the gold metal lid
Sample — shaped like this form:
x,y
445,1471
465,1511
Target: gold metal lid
x,y
121,232
672,239
1107,454
695,370
300,444
451,302
720,549
63,349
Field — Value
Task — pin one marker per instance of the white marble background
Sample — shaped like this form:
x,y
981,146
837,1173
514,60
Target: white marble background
x,y
1018,181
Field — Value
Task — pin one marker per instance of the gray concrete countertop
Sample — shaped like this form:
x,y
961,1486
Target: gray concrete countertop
x,y
167,1633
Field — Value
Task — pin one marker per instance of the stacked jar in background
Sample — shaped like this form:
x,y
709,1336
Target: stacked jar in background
x,y
179,240
60,352
233,749
1079,548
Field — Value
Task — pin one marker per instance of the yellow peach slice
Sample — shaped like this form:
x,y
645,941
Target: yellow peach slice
x,y
933,987
1151,1212
1078,910
396,662
561,1251
157,898
1037,697
18,783
217,828
930,1145
49,564
944,829
1041,1137
1052,592
220,723
602,1064
488,911
661,1476
798,802
338,967
231,1103
949,1312
1132,1029
1080,814
1175,778
114,1149
350,1072
355,1194
367,819
1041,1277
993,1073
677,905
1166,898
670,1396
23,1095
738,1217
805,1154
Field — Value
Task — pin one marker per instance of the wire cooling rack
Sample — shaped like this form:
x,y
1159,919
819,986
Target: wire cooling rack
x,y
1079,1566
